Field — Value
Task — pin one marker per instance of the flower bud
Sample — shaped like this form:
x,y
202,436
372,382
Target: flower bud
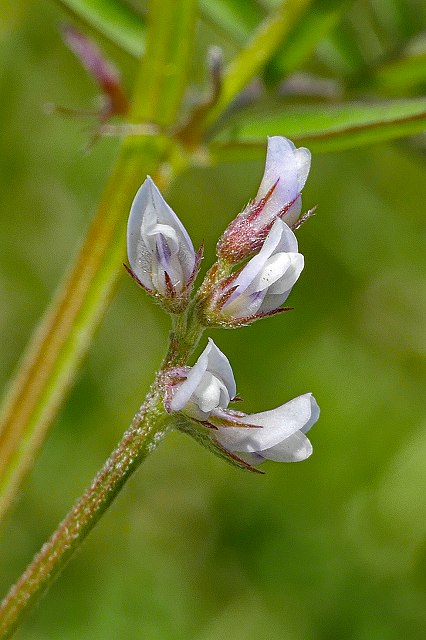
x,y
161,255
101,69
279,196
261,286
278,434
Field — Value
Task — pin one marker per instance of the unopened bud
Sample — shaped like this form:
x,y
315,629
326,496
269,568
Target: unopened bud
x,y
279,196
161,255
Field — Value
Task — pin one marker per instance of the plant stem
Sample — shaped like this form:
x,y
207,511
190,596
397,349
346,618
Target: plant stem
x,y
184,337
64,334
148,428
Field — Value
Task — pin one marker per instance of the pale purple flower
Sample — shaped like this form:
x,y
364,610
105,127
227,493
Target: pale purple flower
x,y
209,384
287,168
265,282
279,196
277,435
160,251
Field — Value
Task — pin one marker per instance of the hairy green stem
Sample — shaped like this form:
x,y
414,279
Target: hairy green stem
x,y
184,337
148,428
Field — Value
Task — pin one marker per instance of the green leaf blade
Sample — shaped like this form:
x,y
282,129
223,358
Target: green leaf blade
x,y
113,19
235,18
317,20
324,128
269,35
401,75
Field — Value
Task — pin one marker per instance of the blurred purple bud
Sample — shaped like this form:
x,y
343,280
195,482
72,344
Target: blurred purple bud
x,y
98,67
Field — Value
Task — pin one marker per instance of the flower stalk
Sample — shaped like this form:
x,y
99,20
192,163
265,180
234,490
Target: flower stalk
x,y
146,431
148,428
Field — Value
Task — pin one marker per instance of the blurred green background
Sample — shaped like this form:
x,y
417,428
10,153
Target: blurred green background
x,y
193,548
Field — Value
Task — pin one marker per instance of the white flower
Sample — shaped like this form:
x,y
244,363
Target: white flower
x,y
266,280
209,385
287,168
160,251
277,435
279,196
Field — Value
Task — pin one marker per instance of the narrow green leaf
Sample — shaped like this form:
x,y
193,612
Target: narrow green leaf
x,y
322,128
402,75
397,18
235,18
270,34
341,51
114,19
120,23
317,20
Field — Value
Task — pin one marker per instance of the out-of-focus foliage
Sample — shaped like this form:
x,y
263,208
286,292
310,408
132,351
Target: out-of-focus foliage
x,y
323,127
194,549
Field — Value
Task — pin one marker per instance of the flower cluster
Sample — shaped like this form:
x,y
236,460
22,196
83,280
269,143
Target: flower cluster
x,y
261,286
163,261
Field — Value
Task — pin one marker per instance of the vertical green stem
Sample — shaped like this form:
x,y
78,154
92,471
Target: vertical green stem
x,y
64,334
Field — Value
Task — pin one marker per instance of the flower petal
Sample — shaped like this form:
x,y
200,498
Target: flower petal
x,y
267,276
212,360
280,273
277,425
292,267
303,162
280,165
218,365
287,168
254,266
211,393
295,448
288,241
273,301
193,379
